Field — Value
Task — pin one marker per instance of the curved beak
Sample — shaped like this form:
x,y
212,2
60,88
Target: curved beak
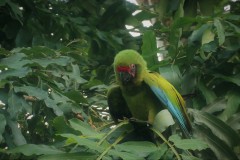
x,y
125,77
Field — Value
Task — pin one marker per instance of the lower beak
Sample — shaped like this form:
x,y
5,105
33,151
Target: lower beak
x,y
125,77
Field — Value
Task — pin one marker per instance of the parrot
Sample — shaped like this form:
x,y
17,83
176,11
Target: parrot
x,y
141,94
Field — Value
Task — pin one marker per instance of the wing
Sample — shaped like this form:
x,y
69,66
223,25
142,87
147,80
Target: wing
x,y
117,105
170,97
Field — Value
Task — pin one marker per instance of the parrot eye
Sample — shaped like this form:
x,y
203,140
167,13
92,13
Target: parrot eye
x,y
132,70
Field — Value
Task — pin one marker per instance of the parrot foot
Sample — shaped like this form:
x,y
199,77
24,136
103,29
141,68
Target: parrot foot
x,y
135,120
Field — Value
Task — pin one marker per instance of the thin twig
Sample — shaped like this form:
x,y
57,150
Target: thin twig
x,y
110,132
166,141
113,144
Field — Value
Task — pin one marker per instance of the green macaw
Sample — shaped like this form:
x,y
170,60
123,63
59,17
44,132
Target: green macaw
x,y
141,94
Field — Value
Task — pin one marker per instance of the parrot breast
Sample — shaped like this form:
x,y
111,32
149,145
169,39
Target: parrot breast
x,y
141,102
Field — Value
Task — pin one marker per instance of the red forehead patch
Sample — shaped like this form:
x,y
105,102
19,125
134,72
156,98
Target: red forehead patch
x,y
123,69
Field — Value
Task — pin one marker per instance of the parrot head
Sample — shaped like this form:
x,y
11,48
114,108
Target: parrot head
x,y
129,66
126,73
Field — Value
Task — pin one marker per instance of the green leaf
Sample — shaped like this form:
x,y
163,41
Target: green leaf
x,y
40,95
210,47
218,127
93,145
20,73
2,126
189,81
181,22
233,104
75,74
217,105
16,105
61,126
162,149
85,128
209,95
187,157
83,141
234,78
69,156
234,121
16,11
220,31
92,83
172,74
124,155
197,34
141,148
76,96
15,61
221,149
61,61
236,28
208,36
33,149
174,38
33,91
149,47
192,144
17,135
37,52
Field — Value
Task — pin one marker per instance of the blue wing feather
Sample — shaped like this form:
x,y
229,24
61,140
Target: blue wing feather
x,y
173,109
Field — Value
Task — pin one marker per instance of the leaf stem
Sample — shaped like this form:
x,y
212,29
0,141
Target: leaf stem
x,y
166,141
112,145
110,132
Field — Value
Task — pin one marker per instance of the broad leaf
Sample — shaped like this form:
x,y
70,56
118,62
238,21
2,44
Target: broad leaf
x,y
218,105
2,126
162,149
233,79
33,149
83,141
208,36
69,156
220,31
192,144
196,35
218,127
16,105
221,149
233,104
209,95
149,48
18,138
40,95
19,73
61,126
85,128
187,157
15,61
234,121
141,148
61,61
172,74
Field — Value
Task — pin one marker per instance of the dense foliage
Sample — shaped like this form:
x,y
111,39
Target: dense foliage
x,y
55,62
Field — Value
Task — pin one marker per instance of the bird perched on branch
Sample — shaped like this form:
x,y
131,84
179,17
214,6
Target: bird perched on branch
x,y
141,94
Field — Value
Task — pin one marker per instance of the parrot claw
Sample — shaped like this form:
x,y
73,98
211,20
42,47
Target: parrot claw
x,y
135,120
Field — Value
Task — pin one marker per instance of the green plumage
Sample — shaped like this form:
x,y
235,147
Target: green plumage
x,y
143,96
